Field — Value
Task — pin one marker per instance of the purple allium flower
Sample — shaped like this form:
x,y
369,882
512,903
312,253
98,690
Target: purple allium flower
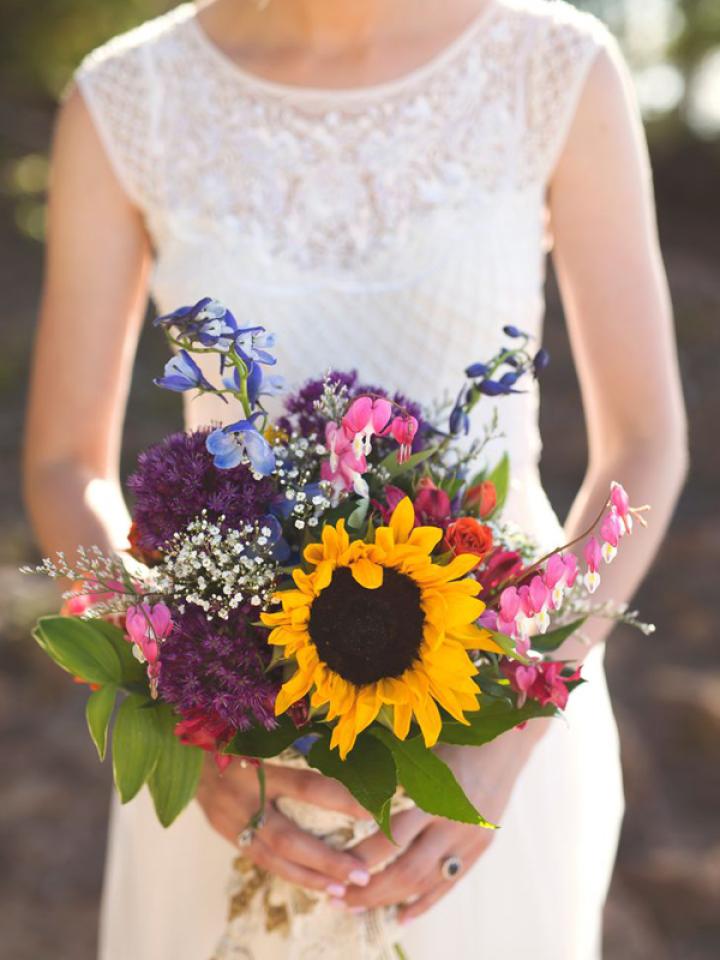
x,y
217,668
176,480
302,415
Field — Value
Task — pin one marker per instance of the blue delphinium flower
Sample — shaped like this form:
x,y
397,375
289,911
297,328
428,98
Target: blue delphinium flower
x,y
258,383
476,370
208,322
182,373
459,419
540,360
512,331
253,344
240,442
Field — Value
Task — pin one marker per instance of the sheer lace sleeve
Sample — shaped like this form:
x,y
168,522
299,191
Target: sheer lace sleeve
x,y
115,81
564,48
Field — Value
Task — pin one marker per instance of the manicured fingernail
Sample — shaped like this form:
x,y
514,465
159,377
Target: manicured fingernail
x,y
361,878
338,904
336,890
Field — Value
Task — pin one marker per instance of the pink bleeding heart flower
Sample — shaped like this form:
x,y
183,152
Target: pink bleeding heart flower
x,y
593,556
146,627
621,505
554,577
508,612
610,531
403,430
540,598
571,570
343,469
364,418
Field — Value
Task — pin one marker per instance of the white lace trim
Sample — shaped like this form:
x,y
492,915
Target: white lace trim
x,y
331,180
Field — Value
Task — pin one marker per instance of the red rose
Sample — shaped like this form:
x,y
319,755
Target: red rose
x,y
483,496
468,535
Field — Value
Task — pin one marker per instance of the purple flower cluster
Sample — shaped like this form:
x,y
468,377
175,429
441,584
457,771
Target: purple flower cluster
x,y
176,480
302,415
217,668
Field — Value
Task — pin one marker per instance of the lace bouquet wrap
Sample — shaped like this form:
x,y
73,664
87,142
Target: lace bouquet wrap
x,y
336,588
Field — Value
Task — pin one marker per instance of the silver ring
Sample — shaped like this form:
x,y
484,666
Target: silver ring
x,y
451,867
246,836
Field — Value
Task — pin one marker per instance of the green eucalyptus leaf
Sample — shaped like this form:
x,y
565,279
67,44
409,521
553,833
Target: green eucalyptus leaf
x,y
80,648
428,780
137,737
368,772
491,720
550,641
174,779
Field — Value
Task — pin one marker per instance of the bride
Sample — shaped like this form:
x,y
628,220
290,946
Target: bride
x,y
378,182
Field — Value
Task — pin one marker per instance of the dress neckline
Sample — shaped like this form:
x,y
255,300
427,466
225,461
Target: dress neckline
x,y
301,91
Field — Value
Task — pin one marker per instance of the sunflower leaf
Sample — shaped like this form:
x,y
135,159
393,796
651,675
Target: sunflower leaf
x,y
259,742
550,641
368,772
491,720
429,781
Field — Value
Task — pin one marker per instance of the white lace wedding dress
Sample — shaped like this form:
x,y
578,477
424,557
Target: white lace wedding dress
x,y
395,228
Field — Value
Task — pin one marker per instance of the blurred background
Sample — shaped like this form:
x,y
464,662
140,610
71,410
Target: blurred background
x,y
665,900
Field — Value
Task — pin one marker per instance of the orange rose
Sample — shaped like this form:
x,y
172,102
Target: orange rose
x,y
468,535
483,496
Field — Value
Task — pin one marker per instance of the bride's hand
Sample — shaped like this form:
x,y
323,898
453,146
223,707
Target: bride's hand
x,y
230,800
414,879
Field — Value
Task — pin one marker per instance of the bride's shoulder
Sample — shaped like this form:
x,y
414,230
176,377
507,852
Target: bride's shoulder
x,y
556,21
150,39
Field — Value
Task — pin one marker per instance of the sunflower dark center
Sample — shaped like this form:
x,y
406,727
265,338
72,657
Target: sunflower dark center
x,y
365,635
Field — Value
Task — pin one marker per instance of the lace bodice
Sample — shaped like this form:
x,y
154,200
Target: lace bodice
x,y
394,228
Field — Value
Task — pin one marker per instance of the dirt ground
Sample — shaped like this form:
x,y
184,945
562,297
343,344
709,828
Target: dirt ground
x,y
666,891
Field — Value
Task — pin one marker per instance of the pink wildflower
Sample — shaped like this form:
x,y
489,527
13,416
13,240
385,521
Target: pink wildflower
x,y
147,627
621,505
207,733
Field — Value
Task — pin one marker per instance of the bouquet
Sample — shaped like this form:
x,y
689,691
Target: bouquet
x,y
336,587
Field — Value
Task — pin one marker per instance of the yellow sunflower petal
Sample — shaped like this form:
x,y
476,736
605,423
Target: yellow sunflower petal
x,y
292,691
402,715
429,720
367,573
402,520
426,538
475,638
462,610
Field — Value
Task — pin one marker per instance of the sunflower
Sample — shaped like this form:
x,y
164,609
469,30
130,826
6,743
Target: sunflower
x,y
379,626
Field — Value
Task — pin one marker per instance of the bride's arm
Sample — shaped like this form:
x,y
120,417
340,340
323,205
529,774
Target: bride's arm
x,y
619,317
616,301
93,304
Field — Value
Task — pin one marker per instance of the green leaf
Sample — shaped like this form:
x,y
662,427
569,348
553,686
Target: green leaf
x,y
259,742
507,645
133,672
136,744
174,780
394,469
550,641
492,720
98,712
80,648
500,477
368,772
357,517
428,780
